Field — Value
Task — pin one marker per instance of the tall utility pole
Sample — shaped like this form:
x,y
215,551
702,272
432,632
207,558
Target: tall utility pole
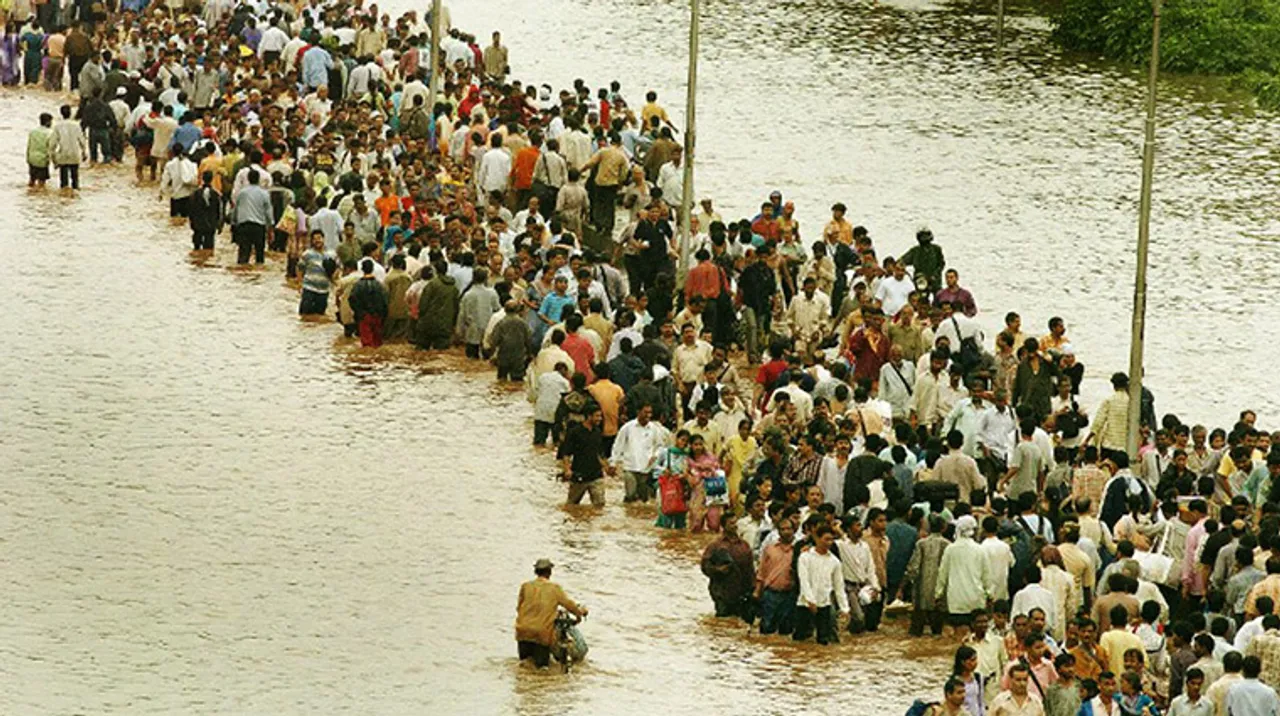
x,y
1144,236
686,201
999,24
434,82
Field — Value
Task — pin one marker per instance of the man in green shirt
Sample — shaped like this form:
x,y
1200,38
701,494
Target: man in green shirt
x,y
1026,464
38,151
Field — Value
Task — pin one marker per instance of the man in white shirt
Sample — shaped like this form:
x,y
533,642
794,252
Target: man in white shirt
x,y
329,222
272,43
999,558
1018,701
956,327
751,524
964,577
360,79
635,448
809,316
457,51
671,179
495,168
414,88
967,417
894,291
821,576
555,128
859,569
799,398
1253,628
575,146
178,180
242,176
1252,697
1035,596
290,52
897,381
995,436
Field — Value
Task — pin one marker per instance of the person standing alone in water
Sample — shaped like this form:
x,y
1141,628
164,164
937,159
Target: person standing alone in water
x,y
536,610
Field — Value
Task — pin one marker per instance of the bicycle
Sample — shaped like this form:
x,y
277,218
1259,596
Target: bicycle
x,y
569,647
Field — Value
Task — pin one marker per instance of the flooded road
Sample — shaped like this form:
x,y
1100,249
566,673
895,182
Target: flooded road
x,y
210,507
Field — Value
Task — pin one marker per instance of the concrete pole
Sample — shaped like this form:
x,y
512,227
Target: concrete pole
x,y
1144,235
686,201
999,24
435,83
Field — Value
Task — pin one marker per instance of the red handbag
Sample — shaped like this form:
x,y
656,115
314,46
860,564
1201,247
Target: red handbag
x,y
671,494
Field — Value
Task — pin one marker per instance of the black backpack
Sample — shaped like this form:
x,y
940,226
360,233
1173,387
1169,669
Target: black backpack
x,y
969,356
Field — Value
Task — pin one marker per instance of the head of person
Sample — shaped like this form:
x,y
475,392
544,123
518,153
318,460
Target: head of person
x,y
1106,684
1086,630
1038,620
966,661
979,621
1019,675
1131,683
1065,665
953,692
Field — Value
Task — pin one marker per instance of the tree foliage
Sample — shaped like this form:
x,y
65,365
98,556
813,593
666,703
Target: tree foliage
x,y
1239,38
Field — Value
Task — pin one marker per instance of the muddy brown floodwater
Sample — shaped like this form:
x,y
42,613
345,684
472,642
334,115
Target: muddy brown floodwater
x,y
208,506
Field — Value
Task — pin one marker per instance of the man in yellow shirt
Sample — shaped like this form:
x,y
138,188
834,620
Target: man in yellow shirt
x,y
653,109
1078,564
1055,339
612,167
536,612
838,230
1115,642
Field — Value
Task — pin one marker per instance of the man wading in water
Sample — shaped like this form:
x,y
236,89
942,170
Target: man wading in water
x,y
536,609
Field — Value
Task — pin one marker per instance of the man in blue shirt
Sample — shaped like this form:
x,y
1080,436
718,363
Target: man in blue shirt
x,y
553,305
316,64
1251,697
187,133
316,268
252,215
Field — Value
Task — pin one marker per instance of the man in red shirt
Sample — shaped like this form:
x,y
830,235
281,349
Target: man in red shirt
x,y
522,168
869,347
767,375
767,225
606,109
578,347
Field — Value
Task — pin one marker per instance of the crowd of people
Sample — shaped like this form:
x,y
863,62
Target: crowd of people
x,y
834,415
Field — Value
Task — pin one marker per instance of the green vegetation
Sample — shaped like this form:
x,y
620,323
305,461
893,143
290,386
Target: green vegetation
x,y
1236,38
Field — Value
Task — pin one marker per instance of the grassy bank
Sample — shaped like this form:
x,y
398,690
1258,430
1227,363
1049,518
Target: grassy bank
x,y
1236,38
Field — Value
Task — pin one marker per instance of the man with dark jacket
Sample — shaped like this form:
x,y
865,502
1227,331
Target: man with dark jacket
x,y
78,49
369,304
728,564
653,236
756,287
864,469
653,351
511,339
626,368
417,121
96,117
437,309
204,210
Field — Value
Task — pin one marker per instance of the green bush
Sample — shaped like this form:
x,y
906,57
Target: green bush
x,y
1240,38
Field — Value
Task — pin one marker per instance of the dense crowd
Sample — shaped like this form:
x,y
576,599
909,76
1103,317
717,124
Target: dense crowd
x,y
837,416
